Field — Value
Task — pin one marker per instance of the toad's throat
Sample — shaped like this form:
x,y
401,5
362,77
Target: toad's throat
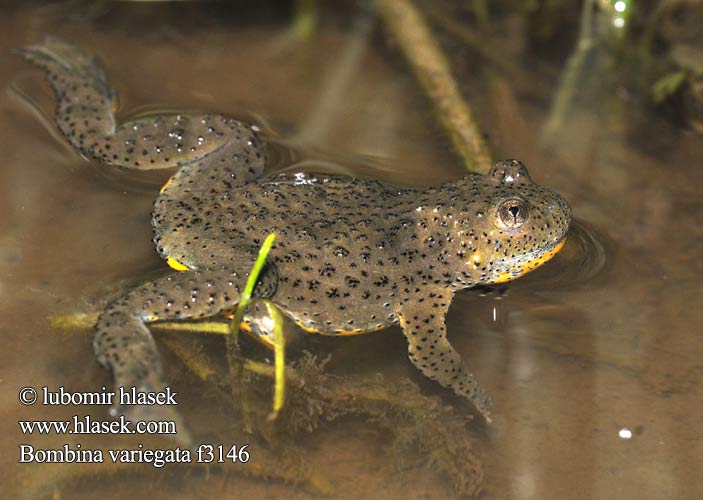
x,y
529,265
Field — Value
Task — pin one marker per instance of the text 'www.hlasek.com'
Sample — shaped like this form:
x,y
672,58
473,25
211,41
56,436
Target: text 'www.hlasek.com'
x,y
124,398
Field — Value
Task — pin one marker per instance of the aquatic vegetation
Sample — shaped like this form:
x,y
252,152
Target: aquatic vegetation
x,y
422,428
278,338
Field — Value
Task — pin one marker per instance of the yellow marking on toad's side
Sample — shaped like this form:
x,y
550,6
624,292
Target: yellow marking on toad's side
x,y
341,333
530,265
163,188
174,264
306,328
246,328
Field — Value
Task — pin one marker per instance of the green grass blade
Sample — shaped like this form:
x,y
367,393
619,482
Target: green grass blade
x,y
245,299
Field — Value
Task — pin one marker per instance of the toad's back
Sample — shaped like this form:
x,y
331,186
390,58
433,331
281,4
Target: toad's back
x,y
317,216
338,239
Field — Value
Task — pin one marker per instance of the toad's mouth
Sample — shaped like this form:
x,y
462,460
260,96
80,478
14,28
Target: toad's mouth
x,y
530,265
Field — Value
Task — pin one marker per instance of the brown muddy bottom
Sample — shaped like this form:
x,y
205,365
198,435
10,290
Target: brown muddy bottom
x,y
593,361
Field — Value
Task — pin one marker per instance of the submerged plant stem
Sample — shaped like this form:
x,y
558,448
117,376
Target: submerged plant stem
x,y
410,31
571,78
279,343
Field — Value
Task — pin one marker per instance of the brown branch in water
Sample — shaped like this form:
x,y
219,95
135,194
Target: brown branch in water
x,y
407,26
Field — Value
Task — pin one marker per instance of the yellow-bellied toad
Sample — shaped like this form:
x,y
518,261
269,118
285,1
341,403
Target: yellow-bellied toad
x,y
351,256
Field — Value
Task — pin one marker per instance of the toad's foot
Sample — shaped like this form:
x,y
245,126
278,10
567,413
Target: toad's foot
x,y
85,102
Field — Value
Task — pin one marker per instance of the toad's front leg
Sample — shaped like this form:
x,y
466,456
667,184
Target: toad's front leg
x,y
423,322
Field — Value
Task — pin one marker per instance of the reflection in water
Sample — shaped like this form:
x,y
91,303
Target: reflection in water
x,y
625,433
586,256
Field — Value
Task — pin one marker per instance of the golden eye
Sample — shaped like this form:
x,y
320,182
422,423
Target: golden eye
x,y
512,213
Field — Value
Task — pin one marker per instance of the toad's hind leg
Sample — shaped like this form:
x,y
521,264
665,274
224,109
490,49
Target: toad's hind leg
x,y
194,215
124,344
85,115
423,323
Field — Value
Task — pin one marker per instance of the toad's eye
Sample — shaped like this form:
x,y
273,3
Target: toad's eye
x,y
512,213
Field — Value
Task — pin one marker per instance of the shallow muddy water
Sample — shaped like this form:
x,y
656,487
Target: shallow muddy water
x,y
593,361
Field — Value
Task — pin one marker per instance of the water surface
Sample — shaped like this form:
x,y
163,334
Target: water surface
x,y
602,341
